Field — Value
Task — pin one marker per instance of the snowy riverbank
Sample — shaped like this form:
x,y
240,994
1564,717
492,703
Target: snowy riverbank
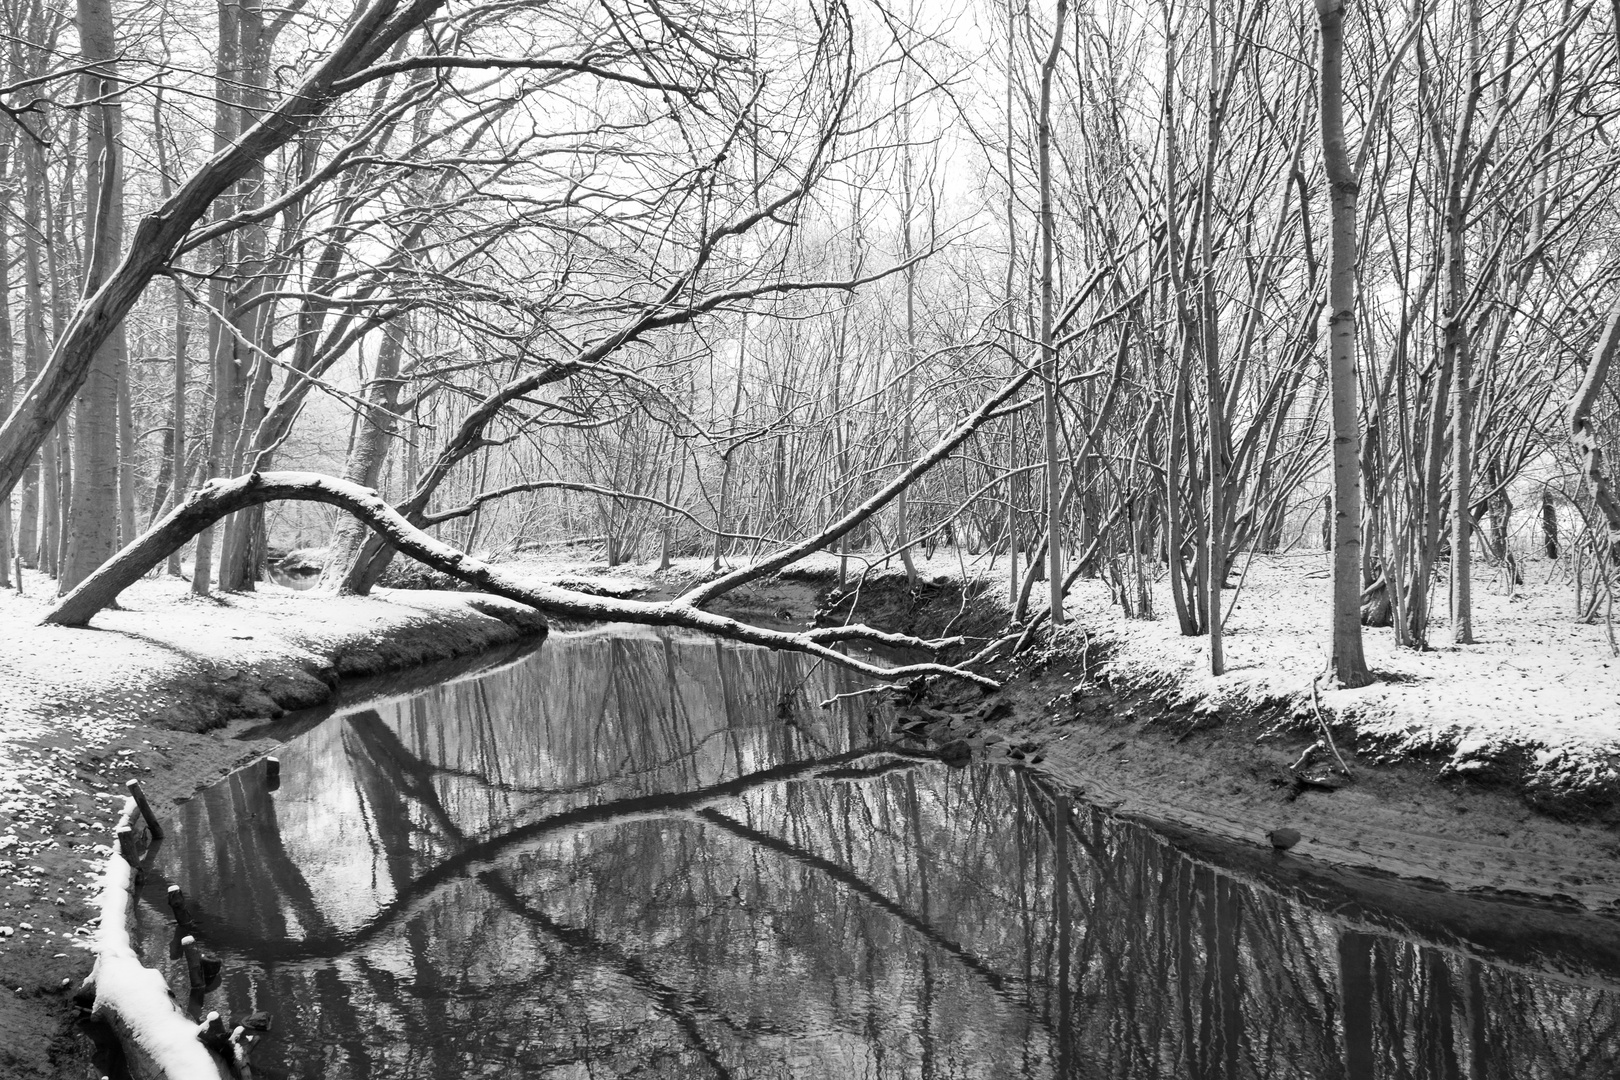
x,y
1530,714
1490,768
1535,701
81,711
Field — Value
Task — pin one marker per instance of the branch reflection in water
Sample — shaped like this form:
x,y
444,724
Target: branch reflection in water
x,y
646,853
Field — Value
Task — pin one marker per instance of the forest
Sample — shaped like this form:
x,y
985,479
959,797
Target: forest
x,y
1128,291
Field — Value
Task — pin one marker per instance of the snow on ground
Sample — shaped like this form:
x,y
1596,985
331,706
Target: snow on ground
x,y
1537,684
1535,677
1536,680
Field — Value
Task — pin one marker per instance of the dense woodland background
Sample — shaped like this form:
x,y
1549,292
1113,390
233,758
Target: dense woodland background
x,y
677,278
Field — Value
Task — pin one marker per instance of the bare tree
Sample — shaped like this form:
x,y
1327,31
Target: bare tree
x,y
1346,661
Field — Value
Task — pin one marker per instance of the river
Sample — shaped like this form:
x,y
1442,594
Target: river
x,y
640,853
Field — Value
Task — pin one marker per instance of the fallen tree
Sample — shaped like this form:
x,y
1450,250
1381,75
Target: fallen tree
x,y
218,498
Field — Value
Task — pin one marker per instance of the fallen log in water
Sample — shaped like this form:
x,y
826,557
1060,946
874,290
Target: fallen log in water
x,y
160,1042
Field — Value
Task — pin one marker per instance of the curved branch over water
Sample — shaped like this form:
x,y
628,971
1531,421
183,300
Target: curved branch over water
x,y
221,497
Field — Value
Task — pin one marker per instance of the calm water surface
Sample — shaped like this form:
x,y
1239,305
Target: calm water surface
x,y
648,854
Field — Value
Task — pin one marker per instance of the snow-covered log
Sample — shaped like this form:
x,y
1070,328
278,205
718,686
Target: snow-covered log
x,y
159,1042
218,498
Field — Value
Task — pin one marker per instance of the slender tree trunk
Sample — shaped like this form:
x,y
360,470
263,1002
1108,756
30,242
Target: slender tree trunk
x,y
222,348
908,208
1549,525
177,414
1346,661
1049,358
50,512
1179,448
8,343
1458,345
1215,400
126,454
60,259
34,519
371,444
1583,433
1009,297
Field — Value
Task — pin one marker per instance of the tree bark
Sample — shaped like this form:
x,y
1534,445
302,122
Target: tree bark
x,y
1215,398
8,343
1549,525
1582,432
36,506
1460,350
93,511
1049,356
370,449
1346,661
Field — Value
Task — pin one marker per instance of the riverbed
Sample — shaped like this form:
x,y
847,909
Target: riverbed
x,y
642,853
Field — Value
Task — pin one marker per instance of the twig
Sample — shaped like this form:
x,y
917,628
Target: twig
x,y
1237,592
1327,734
882,688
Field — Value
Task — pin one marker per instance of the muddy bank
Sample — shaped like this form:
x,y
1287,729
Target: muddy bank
x,y
1146,749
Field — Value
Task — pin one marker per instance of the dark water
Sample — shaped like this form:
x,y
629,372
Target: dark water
x,y
639,854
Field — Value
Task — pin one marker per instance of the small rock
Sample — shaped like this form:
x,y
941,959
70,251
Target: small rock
x,y
1284,838
1323,780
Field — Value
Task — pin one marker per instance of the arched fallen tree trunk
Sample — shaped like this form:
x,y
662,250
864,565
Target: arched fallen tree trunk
x,y
218,498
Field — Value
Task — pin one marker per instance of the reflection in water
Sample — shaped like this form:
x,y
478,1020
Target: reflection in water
x,y
645,854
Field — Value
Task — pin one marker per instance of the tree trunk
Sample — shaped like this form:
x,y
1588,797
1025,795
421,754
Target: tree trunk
x,y
1012,323
93,514
241,552
369,35
8,343
1215,398
1458,345
33,522
908,211
1049,358
1582,432
1346,661
126,453
1549,525
370,447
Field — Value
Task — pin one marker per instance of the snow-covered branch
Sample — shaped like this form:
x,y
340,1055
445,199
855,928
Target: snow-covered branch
x,y
221,497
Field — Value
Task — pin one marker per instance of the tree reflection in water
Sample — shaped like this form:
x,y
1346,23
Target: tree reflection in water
x,y
646,854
